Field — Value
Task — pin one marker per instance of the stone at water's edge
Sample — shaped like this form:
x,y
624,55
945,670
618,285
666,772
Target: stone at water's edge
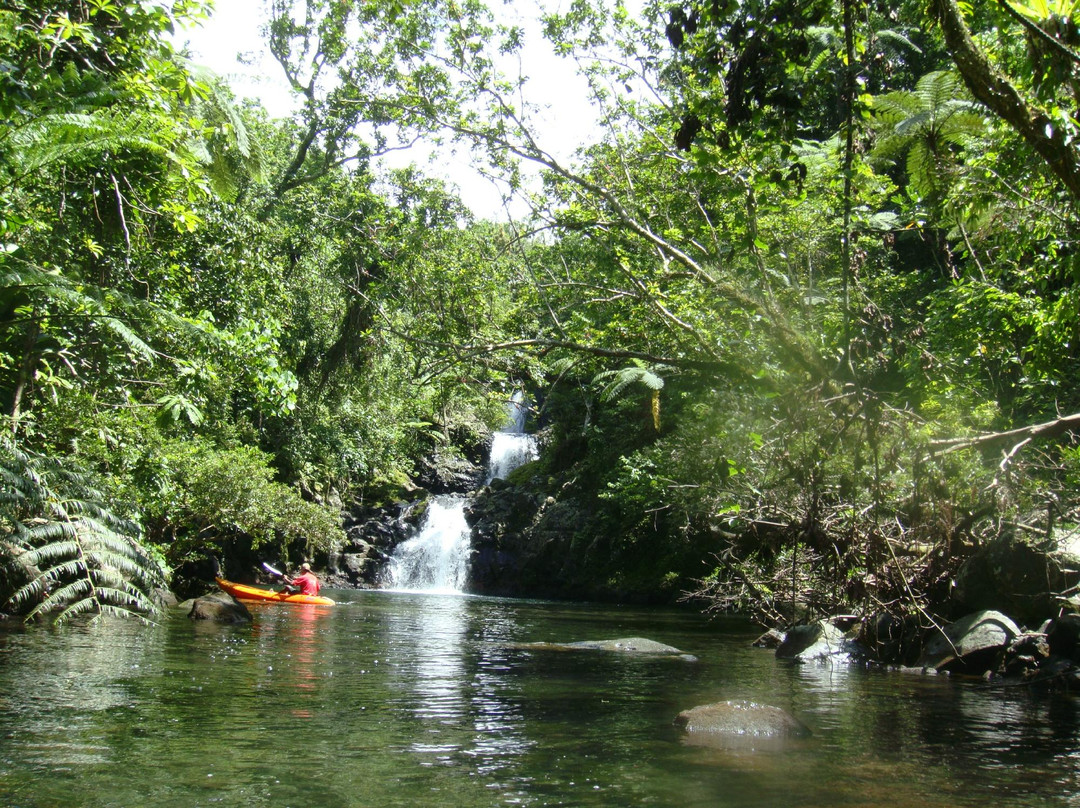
x,y
217,607
773,638
819,640
625,645
968,642
734,719
1063,637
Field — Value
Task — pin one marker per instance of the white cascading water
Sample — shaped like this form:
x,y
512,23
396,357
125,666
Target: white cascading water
x,y
436,559
511,446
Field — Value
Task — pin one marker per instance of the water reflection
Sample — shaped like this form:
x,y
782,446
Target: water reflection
x,y
438,667
402,700
465,711
59,709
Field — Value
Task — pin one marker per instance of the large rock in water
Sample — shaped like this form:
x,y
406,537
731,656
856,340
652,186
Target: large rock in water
x,y
624,645
971,644
729,721
219,608
820,640
1063,637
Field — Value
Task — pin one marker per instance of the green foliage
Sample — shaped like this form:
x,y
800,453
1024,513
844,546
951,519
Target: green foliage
x,y
619,380
73,554
216,311
198,500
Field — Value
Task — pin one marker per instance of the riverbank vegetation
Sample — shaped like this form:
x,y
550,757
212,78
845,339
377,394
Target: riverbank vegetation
x,y
801,320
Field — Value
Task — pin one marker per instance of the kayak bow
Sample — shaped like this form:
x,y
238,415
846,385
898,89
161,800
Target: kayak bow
x,y
245,592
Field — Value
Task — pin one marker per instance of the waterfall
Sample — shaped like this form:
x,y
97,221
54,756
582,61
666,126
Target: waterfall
x,y
511,446
436,559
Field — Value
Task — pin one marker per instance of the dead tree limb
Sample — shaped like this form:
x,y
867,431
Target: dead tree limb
x,y
1013,437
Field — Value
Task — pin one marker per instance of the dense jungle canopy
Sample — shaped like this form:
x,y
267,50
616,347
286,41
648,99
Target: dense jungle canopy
x,y
801,323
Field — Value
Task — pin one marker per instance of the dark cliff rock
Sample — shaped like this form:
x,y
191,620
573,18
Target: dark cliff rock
x,y
524,543
1017,577
448,473
371,534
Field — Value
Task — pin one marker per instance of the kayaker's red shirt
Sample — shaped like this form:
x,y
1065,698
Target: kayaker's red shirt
x,y
308,583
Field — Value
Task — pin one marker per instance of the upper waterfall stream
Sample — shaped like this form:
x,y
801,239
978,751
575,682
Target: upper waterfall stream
x,y
436,559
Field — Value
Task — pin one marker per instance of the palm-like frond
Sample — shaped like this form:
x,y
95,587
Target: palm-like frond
x,y
223,146
21,277
62,137
76,555
616,381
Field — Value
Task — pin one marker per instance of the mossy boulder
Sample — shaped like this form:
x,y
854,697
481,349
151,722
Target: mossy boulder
x,y
217,607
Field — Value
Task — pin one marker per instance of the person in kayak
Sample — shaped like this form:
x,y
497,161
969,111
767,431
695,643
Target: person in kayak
x,y
304,584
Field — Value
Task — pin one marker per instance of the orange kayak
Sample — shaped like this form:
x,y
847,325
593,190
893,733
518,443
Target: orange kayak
x,y
245,592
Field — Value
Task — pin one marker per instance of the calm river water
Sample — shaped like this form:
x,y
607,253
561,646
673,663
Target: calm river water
x,y
404,700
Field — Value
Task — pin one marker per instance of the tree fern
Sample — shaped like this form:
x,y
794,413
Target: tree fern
x,y
616,381
21,278
71,553
927,125
220,141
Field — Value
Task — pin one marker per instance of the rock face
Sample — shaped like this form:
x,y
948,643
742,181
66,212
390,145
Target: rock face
x,y
506,559
1063,637
219,608
530,543
446,473
813,641
734,719
371,536
1016,577
972,644
891,640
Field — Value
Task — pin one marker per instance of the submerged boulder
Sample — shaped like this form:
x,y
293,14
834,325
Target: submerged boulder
x,y
971,644
218,607
624,645
734,720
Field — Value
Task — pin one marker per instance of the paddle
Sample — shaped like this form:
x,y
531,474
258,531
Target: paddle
x,y
273,571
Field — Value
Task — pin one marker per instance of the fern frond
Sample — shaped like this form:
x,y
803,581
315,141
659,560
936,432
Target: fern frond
x,y
62,137
79,556
74,592
57,289
51,532
623,378
52,550
564,365
111,610
123,597
899,42
77,607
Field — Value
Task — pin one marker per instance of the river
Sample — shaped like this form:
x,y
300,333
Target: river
x,y
397,699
